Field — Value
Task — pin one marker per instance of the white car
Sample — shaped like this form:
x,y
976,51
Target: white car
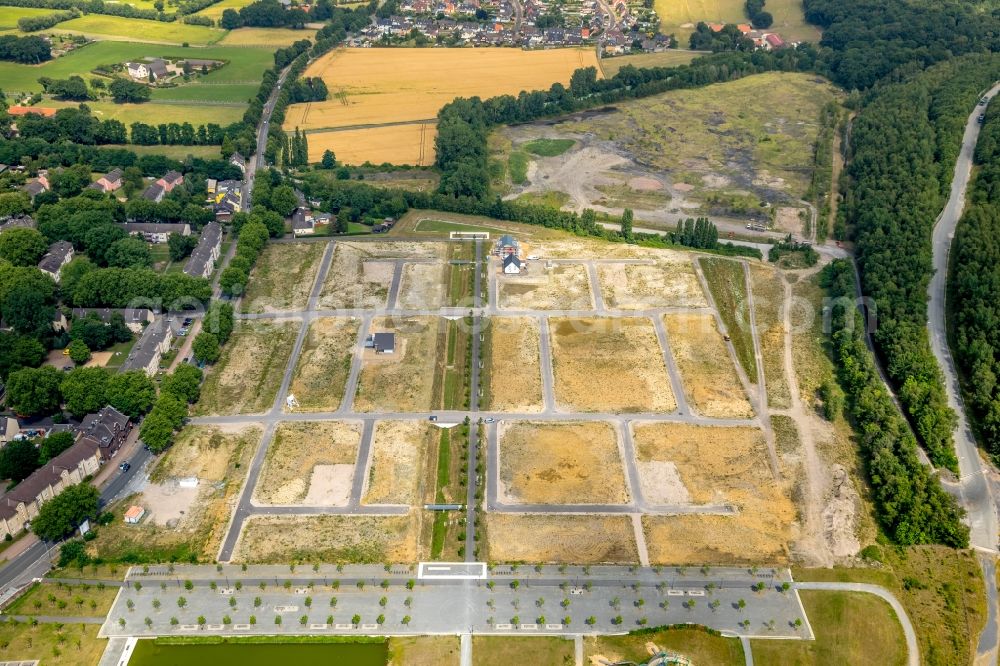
x,y
533,257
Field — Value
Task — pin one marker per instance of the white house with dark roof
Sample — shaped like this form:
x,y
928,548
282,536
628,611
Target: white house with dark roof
x,y
60,253
150,348
201,263
156,232
511,264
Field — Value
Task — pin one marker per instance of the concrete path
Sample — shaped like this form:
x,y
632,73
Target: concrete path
x,y
466,650
912,647
747,652
54,619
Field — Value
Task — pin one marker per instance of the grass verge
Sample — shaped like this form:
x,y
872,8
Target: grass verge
x,y
729,289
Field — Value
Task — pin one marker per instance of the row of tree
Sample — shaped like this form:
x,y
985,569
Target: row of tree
x,y
974,282
85,390
122,9
30,50
760,18
910,503
905,141
46,21
177,390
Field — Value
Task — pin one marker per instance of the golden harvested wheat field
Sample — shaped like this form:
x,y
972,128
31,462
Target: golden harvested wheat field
x,y
382,86
412,143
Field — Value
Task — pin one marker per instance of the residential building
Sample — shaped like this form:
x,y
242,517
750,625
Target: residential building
x,y
34,187
9,429
138,70
158,68
170,180
201,263
507,244
156,232
136,319
150,348
382,343
16,222
107,430
238,160
23,502
303,223
108,182
511,264
60,253
154,192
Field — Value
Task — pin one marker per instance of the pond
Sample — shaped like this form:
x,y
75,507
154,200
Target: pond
x,y
150,653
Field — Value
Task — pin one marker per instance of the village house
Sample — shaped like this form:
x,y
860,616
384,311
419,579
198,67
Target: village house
x,y
156,232
155,70
60,253
511,264
239,161
170,180
150,348
135,318
303,223
507,244
107,430
381,343
108,182
154,193
201,263
34,187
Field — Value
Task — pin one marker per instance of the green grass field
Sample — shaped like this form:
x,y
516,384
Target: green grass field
x,y
548,147
695,644
99,24
221,92
154,114
679,17
245,65
173,152
729,289
266,37
610,66
440,226
10,15
850,627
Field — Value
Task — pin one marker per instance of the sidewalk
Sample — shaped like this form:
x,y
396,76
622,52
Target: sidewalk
x,y
15,549
109,468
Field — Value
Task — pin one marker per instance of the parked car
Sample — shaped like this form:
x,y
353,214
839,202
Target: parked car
x,y
432,418
982,117
125,466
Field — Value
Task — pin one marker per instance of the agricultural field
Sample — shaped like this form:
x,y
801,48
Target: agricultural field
x,y
562,287
671,58
620,355
680,17
506,650
720,150
231,93
155,113
183,520
180,153
117,26
263,37
392,86
850,628
283,277
574,539
215,11
324,364
400,451
404,380
696,644
11,15
710,381
309,463
668,282
329,538
246,378
710,466
513,342
561,463
411,143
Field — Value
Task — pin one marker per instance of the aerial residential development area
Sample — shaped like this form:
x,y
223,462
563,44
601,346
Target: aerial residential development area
x,y
545,332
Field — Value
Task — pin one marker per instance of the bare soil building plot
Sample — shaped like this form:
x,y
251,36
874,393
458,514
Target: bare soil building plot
x,y
400,451
403,380
563,287
310,463
588,539
609,364
663,283
282,277
324,364
515,376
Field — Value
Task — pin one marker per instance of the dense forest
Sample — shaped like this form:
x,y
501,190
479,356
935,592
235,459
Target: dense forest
x,y
905,141
974,284
910,503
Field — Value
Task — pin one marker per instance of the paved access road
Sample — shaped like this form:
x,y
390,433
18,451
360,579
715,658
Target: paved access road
x,y
973,487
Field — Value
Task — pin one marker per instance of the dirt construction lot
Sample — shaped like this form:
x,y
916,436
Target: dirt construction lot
x,y
620,355
580,539
309,463
185,519
422,286
561,463
668,283
330,538
716,465
282,277
247,376
325,363
359,276
557,288
403,380
768,298
514,344
399,452
710,380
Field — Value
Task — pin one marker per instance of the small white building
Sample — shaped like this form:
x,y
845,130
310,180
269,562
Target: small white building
x,y
511,264
134,514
